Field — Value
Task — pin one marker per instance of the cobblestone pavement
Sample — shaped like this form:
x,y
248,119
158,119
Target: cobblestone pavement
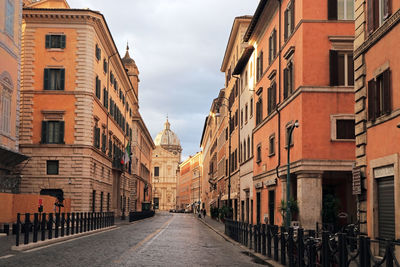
x,y
164,240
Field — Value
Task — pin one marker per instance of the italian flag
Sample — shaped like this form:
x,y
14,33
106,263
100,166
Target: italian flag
x,y
126,158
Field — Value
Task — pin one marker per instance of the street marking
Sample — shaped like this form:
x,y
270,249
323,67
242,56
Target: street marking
x,y
66,241
147,238
7,256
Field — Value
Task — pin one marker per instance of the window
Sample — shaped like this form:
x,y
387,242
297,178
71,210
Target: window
x,y
251,107
289,20
345,129
52,132
226,133
246,111
112,78
97,137
259,66
6,114
272,97
98,86
341,68
105,65
272,145
248,147
55,41
93,200
105,98
340,9
288,80
272,46
103,142
379,95
241,118
101,201
52,167
244,150
54,79
378,12
9,22
259,111
258,153
98,52
156,171
236,118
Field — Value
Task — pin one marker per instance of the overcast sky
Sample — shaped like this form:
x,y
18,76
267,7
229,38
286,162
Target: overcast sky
x,y
178,46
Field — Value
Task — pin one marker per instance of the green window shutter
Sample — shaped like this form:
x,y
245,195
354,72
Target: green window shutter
x,y
332,9
62,129
387,101
285,26
44,132
285,83
63,41
62,79
46,79
48,40
371,100
333,67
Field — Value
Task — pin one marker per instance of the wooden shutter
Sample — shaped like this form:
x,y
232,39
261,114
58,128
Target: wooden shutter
x,y
292,17
274,44
376,13
63,41
387,8
273,96
371,100
333,67
285,35
62,130
62,79
285,83
332,10
370,10
387,100
261,63
48,37
44,132
46,79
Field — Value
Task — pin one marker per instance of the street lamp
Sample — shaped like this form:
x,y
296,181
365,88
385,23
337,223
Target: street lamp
x,y
290,132
229,150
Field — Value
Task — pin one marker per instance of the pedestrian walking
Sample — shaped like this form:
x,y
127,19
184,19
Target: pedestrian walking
x,y
204,213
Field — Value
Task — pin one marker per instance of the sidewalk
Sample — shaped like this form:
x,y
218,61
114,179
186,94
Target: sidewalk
x,y
219,228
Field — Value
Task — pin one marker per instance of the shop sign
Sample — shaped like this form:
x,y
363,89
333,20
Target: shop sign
x,y
356,181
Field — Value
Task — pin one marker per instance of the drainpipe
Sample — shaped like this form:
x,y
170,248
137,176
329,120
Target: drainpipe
x,y
279,92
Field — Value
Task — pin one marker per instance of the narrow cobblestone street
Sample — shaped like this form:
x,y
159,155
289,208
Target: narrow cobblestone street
x,y
164,240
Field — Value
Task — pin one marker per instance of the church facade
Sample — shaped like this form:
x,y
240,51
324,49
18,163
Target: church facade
x,y
165,162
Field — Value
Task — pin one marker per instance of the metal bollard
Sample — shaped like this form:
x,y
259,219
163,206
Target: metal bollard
x,y
57,225
269,241
81,222
300,246
251,236
255,238
72,223
50,226
283,246
62,224
17,229
291,247
35,227
276,243
325,249
77,223
27,226
342,250
264,241
68,221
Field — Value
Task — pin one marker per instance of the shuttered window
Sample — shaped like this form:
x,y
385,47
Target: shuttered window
x,y
105,65
105,98
54,79
98,87
156,171
288,80
55,41
272,145
96,137
271,98
258,153
341,68
259,111
110,148
386,210
52,132
260,66
345,129
378,12
103,142
5,116
98,52
289,20
272,46
379,96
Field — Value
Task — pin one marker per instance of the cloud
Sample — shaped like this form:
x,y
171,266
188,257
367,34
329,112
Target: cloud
x,y
178,46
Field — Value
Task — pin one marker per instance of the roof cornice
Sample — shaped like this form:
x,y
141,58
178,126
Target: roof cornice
x,y
254,20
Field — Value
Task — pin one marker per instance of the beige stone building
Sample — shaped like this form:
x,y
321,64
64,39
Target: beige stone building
x,y
80,115
165,161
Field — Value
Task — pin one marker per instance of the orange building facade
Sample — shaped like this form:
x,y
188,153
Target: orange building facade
x,y
80,122
377,116
189,183
302,73
10,68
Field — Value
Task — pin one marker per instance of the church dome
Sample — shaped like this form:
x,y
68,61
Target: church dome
x,y
168,139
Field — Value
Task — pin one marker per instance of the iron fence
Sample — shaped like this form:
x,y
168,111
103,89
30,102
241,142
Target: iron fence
x,y
299,247
54,225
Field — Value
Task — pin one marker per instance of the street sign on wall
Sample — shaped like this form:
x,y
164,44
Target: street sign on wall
x,y
356,181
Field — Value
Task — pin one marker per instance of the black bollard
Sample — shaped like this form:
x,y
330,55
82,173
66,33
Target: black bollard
x,y
57,225
269,241
276,243
35,227
63,224
50,226
17,229
264,241
72,223
300,246
27,226
81,222
77,223
291,247
283,246
68,221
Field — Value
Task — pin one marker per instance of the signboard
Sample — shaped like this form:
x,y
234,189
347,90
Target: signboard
x,y
356,181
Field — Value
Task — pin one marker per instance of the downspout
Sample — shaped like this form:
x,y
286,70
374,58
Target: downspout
x,y
279,92
108,92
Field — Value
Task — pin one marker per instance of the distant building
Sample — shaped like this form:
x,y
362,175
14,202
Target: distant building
x,y
189,183
10,68
377,105
80,122
165,161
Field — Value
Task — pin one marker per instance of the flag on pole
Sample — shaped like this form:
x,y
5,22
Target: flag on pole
x,y
127,154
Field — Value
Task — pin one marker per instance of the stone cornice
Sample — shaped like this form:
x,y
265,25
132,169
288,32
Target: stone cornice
x,y
378,34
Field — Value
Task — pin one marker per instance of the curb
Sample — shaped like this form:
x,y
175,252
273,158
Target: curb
x,y
57,240
267,261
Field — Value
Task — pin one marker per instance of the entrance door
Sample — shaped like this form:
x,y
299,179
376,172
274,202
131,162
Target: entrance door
x,y
156,203
271,206
258,207
386,226
247,210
